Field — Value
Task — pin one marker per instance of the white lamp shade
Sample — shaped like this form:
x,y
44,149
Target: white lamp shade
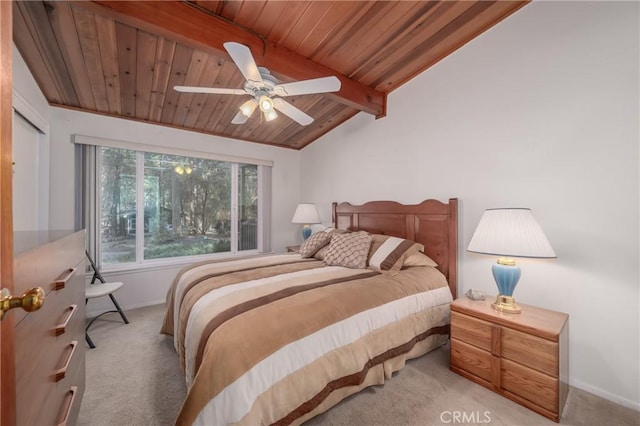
x,y
306,213
270,115
510,232
248,107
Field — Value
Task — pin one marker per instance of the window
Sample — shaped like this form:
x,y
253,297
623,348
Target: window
x,y
149,206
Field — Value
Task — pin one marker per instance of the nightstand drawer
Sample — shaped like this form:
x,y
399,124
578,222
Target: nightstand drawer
x,y
469,358
532,351
471,330
530,384
522,356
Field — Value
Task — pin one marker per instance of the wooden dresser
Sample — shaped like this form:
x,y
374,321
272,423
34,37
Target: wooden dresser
x,y
523,357
49,343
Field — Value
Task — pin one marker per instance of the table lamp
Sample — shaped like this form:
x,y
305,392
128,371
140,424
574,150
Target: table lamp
x,y
508,233
306,214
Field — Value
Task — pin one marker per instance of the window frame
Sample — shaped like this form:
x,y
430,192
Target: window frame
x,y
90,188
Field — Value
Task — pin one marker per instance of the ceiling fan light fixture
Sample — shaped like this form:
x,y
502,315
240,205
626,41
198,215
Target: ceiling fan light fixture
x,y
265,90
270,115
248,107
266,104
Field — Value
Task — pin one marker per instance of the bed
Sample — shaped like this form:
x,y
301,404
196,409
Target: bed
x,y
280,338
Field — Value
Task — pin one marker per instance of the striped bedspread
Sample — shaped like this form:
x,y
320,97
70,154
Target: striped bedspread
x,y
279,339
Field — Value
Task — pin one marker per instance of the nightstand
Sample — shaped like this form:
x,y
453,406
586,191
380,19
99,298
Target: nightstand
x,y
292,249
524,357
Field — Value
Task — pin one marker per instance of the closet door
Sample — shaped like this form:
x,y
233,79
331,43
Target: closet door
x,y
26,168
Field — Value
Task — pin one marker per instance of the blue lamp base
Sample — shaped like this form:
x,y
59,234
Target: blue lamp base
x,y
306,232
506,274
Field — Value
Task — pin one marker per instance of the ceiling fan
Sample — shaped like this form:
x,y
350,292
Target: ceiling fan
x,y
263,89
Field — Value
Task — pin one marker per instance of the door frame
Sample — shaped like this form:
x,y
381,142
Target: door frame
x,y
7,356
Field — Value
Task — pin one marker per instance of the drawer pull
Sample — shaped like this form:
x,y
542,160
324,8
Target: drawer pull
x,y
63,371
62,282
62,327
68,404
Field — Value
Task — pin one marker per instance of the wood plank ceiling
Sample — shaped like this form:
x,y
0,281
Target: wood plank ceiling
x,y
122,58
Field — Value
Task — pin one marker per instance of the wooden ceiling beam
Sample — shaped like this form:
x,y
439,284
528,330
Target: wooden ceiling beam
x,y
195,28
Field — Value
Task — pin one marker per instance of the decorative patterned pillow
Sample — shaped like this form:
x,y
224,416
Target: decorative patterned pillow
x,y
349,250
320,254
314,243
389,255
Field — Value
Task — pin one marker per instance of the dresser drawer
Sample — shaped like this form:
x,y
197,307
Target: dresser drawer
x,y
537,387
63,402
70,284
471,359
535,352
68,403
471,330
44,266
69,362
74,383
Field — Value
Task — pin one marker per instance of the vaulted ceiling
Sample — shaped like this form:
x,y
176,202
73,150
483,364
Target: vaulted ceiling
x,y
123,58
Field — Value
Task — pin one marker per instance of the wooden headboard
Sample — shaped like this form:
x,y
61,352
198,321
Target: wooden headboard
x,y
431,223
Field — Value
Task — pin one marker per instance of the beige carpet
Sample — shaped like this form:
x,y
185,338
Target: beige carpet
x,y
133,378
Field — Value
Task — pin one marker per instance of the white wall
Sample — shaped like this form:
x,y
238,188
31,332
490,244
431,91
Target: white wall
x,y
541,111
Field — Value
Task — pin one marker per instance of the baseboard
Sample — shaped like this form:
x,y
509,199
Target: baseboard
x,y
91,314
634,405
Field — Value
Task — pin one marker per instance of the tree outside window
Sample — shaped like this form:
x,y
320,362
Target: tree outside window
x,y
187,206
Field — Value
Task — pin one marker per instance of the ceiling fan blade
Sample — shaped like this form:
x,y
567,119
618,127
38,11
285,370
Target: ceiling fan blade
x,y
292,112
239,118
243,59
307,87
213,90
